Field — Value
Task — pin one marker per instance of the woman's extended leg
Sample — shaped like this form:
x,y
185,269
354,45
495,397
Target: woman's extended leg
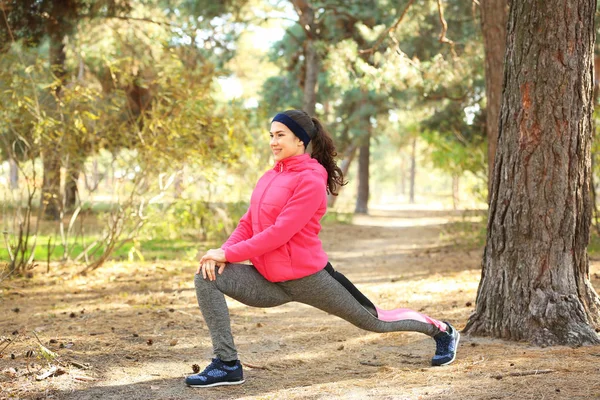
x,y
243,283
330,291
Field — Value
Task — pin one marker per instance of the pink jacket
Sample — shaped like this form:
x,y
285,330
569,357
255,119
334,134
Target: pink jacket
x,y
279,232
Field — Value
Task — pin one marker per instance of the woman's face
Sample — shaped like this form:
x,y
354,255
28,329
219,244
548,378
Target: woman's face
x,y
284,143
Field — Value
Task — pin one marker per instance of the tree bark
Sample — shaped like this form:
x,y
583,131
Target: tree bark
x,y
364,154
306,16
494,14
413,171
535,280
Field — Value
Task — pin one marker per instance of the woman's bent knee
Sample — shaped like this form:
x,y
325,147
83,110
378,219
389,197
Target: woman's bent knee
x,y
200,282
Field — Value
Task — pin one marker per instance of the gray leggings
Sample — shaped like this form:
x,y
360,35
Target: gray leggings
x,y
321,290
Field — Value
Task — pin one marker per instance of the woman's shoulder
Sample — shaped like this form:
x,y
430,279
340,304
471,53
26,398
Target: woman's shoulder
x,y
312,177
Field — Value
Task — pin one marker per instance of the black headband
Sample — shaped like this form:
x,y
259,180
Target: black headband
x,y
294,127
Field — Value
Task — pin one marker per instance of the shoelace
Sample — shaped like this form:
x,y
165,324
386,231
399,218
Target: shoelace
x,y
214,364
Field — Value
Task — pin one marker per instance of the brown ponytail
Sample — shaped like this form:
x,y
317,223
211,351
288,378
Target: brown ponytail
x,y
323,149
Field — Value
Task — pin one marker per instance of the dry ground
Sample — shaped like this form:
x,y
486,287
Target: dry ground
x,y
138,328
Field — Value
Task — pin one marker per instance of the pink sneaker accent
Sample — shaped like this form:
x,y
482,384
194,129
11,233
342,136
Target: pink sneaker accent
x,y
400,314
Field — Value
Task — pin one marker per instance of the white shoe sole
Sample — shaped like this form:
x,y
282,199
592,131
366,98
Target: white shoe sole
x,y
218,384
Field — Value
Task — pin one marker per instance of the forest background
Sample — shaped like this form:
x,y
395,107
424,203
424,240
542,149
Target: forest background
x,y
162,108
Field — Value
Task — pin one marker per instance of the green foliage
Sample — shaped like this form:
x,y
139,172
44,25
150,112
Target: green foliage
x,y
337,217
134,87
181,248
200,220
34,20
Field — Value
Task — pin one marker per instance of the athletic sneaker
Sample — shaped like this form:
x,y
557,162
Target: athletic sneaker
x,y
216,374
446,344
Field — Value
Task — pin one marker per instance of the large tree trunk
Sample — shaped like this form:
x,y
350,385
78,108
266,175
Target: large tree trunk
x,y
362,197
535,280
493,25
413,171
306,16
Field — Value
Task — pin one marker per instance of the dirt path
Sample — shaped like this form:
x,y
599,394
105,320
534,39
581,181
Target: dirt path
x,y
138,327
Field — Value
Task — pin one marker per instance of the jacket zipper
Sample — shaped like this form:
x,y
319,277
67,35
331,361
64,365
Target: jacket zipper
x,y
265,192
263,196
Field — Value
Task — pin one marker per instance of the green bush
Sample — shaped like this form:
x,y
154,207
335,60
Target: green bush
x,y
193,219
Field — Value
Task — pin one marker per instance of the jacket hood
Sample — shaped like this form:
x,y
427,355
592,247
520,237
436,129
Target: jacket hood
x,y
300,163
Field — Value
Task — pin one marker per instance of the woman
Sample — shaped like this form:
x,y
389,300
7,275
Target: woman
x,y
279,235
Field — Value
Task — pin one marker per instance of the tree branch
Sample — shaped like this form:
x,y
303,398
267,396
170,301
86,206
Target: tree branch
x,y
443,38
336,11
445,96
125,18
388,31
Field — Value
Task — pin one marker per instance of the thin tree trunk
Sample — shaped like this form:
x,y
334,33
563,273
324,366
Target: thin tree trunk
x,y
14,174
51,197
535,280
95,173
402,174
72,177
494,14
349,155
455,191
364,154
413,171
311,59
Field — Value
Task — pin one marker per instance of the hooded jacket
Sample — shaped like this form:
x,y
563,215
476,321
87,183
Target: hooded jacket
x,y
279,232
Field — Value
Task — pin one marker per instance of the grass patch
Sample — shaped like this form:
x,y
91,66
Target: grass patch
x,y
151,249
337,217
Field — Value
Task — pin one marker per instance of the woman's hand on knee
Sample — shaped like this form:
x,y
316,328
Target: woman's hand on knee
x,y
207,269
217,255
